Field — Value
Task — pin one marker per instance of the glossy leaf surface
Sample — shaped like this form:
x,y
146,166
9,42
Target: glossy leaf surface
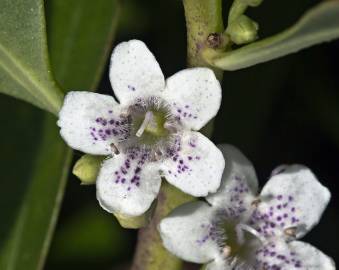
x,y
37,161
25,72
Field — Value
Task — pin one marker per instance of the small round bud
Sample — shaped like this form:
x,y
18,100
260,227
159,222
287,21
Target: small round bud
x,y
87,168
243,30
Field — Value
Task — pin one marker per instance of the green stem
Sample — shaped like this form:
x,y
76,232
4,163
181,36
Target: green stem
x,y
237,9
203,17
150,254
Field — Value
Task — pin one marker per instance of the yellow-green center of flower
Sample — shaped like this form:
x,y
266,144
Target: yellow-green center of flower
x,y
151,127
240,241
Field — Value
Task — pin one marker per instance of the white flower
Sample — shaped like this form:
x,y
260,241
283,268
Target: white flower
x,y
151,133
236,229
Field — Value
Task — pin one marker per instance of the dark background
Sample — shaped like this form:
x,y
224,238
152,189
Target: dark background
x,y
284,111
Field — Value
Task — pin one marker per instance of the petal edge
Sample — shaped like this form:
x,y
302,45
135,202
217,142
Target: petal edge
x,y
134,72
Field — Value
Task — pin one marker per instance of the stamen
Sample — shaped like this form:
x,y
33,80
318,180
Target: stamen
x,y
157,155
256,202
292,232
124,115
147,120
114,149
226,251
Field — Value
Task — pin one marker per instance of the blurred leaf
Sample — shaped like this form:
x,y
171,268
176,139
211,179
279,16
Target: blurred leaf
x,y
80,35
135,18
24,67
28,227
318,25
35,161
91,235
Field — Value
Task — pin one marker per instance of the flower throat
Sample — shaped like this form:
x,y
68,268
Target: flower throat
x,y
152,126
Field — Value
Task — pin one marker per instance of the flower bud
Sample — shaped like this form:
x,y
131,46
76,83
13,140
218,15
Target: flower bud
x,y
87,168
136,222
243,30
253,3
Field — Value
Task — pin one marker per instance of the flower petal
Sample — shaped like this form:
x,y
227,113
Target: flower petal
x,y
134,72
90,122
292,202
311,257
194,165
239,182
195,96
188,232
218,264
292,256
127,184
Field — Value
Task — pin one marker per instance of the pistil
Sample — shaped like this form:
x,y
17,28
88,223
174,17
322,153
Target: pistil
x,y
240,228
147,119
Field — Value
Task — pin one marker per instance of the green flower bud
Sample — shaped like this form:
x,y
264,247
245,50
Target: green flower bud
x,y
243,30
137,222
87,168
253,3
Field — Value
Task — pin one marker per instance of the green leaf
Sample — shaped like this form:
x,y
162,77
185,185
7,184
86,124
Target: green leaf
x,y
25,241
35,161
80,38
320,24
24,68
107,239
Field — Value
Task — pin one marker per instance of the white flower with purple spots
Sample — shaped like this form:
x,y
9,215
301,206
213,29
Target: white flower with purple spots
x,y
238,230
151,133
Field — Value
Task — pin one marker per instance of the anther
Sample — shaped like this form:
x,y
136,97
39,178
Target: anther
x,y
291,232
124,115
256,203
226,251
114,149
147,119
156,155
